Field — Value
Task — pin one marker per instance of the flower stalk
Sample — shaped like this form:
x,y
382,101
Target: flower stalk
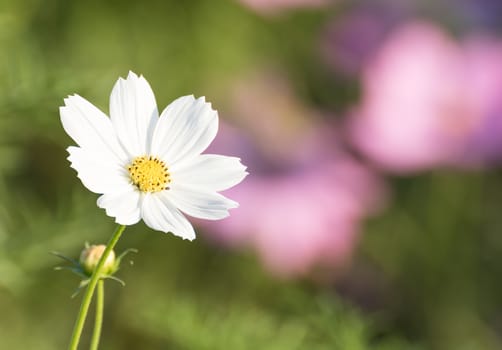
x,y
98,319
95,278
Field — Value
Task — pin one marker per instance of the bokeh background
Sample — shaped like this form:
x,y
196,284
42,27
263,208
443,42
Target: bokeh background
x,y
371,218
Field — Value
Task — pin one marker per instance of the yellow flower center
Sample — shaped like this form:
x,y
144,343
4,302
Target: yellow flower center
x,y
149,174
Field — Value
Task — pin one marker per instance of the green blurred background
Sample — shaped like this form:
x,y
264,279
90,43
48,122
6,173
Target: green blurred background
x,y
424,275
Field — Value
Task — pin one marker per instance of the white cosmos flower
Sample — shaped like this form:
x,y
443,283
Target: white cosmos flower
x,y
150,167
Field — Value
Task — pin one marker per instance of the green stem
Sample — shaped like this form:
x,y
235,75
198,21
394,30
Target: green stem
x,y
98,320
86,300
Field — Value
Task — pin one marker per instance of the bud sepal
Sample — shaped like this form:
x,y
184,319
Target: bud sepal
x,y
88,261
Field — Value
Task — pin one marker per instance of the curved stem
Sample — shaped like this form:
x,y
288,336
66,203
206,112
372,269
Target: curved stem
x,y
98,320
86,299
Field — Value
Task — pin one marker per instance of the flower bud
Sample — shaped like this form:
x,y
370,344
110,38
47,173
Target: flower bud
x,y
90,256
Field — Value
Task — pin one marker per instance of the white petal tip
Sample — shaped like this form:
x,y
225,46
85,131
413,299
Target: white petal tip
x,y
67,100
131,75
182,236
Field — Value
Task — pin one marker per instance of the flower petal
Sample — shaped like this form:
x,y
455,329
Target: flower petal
x,y
209,172
98,171
89,127
124,205
133,112
185,128
160,214
200,204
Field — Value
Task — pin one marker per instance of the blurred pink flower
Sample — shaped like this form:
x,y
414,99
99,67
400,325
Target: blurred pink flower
x,y
271,7
428,101
298,221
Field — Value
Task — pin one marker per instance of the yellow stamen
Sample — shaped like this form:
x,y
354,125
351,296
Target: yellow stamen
x,y
149,174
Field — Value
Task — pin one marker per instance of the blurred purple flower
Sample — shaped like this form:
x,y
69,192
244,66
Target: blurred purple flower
x,y
477,13
300,211
428,101
350,40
